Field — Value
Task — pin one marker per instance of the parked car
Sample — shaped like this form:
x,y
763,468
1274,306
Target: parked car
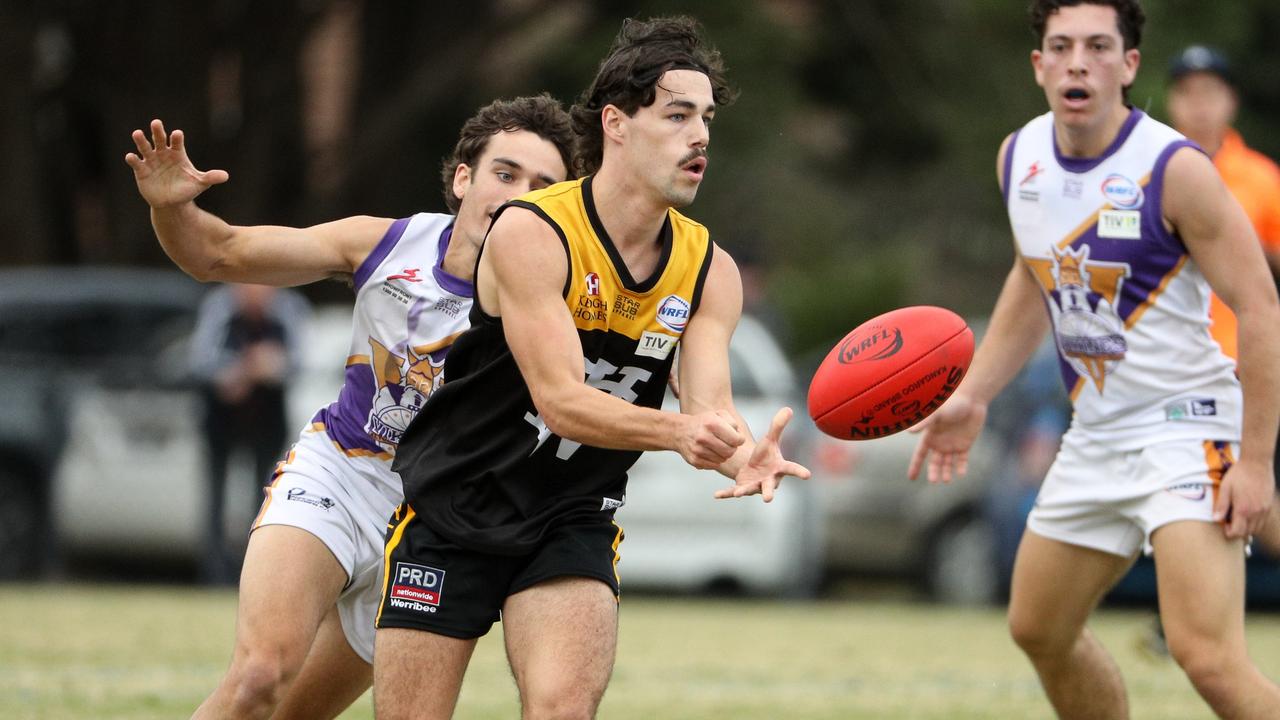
x,y
130,481
66,333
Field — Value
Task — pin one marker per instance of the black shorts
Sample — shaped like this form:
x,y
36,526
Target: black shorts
x,y
432,584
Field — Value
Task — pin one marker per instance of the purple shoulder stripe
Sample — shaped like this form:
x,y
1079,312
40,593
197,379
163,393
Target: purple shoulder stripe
x,y
380,252
1153,217
1008,166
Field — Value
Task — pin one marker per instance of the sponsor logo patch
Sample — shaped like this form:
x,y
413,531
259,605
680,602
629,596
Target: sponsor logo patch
x,y
1032,171
592,281
301,495
1193,408
1122,192
1190,491
611,504
410,274
673,313
656,345
1072,188
1120,224
416,587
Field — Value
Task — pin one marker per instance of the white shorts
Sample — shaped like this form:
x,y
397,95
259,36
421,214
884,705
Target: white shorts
x,y
1112,501
345,502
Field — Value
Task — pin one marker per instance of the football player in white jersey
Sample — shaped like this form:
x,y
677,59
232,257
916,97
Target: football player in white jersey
x,y
308,589
1120,214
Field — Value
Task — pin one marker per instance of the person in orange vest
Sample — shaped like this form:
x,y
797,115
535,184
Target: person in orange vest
x,y
1202,102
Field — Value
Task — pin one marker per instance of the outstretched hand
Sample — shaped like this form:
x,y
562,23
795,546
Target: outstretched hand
x,y
764,470
945,439
164,173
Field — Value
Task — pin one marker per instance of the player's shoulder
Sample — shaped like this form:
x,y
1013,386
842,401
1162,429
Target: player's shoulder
x,y
681,223
561,192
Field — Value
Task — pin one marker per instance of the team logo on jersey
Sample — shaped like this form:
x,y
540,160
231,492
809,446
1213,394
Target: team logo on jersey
x,y
404,384
416,587
1083,295
592,281
1072,188
656,345
1122,192
673,313
410,274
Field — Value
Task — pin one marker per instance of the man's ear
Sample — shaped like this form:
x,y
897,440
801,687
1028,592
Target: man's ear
x,y
461,180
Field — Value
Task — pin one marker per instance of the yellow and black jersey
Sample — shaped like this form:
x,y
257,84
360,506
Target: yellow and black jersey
x,y
479,464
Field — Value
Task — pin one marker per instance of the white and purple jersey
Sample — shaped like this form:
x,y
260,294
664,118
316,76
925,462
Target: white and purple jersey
x,y
1129,305
408,312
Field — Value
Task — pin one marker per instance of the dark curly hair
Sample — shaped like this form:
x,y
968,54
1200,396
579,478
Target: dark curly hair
x,y
539,114
1129,17
628,77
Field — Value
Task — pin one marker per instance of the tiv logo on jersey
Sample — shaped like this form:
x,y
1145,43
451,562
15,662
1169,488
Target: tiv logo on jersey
x,y
592,281
1122,192
1120,224
416,587
673,313
656,345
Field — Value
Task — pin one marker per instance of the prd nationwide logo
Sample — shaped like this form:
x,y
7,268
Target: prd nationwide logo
x,y
880,344
417,583
673,313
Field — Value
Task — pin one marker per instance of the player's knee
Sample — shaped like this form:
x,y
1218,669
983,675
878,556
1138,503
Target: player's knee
x,y
1035,637
260,677
1207,664
558,705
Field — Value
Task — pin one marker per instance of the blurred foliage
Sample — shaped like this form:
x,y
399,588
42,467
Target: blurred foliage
x,y
857,166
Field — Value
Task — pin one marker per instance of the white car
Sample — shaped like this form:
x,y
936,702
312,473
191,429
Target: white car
x,y
679,537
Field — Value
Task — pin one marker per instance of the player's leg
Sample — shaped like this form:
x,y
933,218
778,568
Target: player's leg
x,y
1201,584
289,583
1269,536
418,674
561,638
1055,587
332,677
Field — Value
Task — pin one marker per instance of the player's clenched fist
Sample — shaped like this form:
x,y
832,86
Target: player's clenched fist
x,y
709,438
163,171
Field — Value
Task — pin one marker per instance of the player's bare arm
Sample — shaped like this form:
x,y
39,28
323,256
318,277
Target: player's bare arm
x,y
755,468
210,249
1221,241
521,277
1017,324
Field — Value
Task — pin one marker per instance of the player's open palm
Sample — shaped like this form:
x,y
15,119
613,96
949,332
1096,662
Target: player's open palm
x,y
766,466
163,171
945,439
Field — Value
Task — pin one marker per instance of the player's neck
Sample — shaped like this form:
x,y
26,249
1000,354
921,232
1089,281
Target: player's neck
x,y
629,212
460,257
1090,141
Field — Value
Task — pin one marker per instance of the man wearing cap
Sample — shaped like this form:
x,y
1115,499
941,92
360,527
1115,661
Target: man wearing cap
x,y
1202,104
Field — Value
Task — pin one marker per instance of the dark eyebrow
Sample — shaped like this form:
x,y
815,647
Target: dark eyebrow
x,y
689,105
517,166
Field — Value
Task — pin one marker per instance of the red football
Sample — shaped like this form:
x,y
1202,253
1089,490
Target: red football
x,y
890,373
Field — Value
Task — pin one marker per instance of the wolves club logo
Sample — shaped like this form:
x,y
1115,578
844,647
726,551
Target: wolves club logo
x,y
404,384
1083,295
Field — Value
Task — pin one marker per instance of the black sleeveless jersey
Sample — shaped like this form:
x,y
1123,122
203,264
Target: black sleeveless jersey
x,y
478,463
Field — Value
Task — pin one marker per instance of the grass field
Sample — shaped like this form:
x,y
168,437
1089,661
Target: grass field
x,y
69,651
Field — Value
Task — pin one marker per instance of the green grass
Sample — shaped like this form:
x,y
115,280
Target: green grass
x,y
69,651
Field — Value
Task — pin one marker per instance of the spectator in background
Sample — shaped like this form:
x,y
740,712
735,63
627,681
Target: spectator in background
x,y
1202,105
244,346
